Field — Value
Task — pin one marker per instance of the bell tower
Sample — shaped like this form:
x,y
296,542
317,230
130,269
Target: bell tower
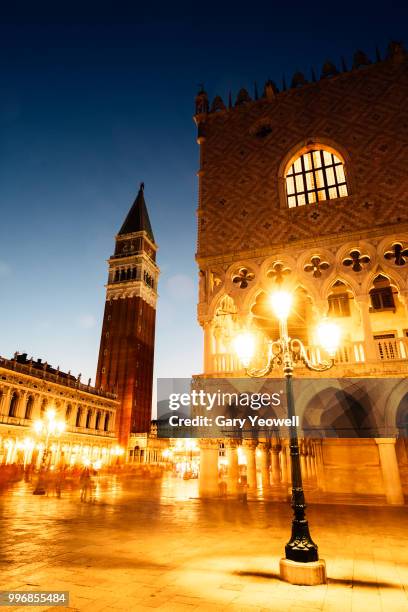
x,y
127,343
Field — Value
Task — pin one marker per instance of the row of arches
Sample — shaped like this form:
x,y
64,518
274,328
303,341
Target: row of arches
x,y
131,273
23,406
373,325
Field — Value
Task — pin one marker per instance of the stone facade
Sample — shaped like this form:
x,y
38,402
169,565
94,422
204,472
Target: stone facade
x,y
342,257
28,390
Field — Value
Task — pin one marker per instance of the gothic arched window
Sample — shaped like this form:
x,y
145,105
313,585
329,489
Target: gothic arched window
x,y
315,176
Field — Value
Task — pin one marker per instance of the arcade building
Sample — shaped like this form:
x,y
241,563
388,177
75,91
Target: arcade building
x,y
305,188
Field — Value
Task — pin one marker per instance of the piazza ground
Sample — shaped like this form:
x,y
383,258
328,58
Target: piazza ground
x,y
144,544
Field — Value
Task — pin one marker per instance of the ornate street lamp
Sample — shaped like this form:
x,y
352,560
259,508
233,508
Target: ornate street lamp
x,y
300,550
48,427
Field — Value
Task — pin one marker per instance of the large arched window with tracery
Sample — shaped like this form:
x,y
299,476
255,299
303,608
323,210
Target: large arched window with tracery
x,y
315,176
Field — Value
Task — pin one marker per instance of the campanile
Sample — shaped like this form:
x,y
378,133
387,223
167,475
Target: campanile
x,y
127,343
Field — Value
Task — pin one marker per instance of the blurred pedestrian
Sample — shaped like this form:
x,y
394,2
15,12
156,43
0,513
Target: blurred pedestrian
x,y
85,484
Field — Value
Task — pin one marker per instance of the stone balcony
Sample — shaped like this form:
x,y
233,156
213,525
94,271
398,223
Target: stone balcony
x,y
390,358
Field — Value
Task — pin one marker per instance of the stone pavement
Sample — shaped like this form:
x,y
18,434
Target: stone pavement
x,y
145,545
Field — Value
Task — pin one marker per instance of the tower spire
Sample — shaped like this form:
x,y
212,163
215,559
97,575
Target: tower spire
x,y
137,219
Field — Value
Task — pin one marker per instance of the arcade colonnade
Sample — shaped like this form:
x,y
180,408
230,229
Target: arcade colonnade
x,y
267,466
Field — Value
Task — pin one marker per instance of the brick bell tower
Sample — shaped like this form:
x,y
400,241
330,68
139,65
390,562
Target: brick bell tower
x,y
127,343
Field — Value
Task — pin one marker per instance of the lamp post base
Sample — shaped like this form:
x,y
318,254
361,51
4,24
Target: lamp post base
x,y
306,574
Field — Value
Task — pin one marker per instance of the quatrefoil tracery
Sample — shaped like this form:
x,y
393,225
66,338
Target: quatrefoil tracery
x,y
243,277
356,260
278,272
397,253
316,266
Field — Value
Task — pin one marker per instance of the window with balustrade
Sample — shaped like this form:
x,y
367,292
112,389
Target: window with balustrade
x,y
382,295
339,305
315,176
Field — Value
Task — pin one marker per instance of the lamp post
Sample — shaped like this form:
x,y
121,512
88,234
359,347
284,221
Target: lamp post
x,y
48,427
301,564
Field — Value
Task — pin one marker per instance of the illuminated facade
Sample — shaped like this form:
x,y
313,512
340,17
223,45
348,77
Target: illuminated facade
x,y
28,389
306,189
127,342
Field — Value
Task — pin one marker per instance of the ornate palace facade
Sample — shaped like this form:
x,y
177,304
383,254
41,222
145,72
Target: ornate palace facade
x,y
306,188
27,389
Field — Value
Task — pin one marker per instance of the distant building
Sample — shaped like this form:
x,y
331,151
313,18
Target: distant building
x,y
306,188
28,389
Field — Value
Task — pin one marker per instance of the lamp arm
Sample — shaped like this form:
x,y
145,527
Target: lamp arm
x,y
297,346
274,358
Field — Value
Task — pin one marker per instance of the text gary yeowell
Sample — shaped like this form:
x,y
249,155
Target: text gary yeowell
x,y
223,421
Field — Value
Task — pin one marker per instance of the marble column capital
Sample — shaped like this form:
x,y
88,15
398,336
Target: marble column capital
x,y
385,440
250,444
209,443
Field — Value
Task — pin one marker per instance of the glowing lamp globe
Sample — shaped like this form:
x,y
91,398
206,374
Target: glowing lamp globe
x,y
50,414
328,334
61,426
38,426
281,302
244,345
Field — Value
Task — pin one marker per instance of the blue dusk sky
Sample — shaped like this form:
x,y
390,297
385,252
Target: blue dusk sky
x,y
100,96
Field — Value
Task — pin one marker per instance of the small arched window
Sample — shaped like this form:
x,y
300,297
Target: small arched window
x,y
88,419
98,420
29,407
382,295
315,176
68,412
13,405
78,417
106,423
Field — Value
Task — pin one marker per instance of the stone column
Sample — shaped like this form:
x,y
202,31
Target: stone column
x,y
232,472
275,466
208,479
5,401
319,465
363,302
311,460
207,329
250,450
390,471
265,460
21,404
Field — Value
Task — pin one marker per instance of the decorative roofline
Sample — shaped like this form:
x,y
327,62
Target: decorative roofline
x,y
203,109
43,371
